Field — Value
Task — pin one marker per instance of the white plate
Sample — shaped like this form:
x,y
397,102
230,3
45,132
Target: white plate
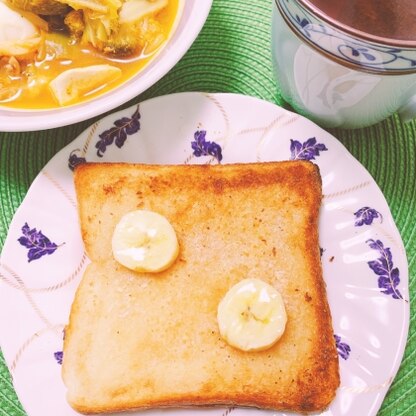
x,y
36,295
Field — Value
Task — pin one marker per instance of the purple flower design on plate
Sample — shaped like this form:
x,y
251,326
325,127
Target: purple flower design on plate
x,y
343,348
75,160
201,147
123,127
388,275
59,355
38,244
366,215
307,150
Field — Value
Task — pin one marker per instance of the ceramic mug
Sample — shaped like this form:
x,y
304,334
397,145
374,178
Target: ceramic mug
x,y
339,77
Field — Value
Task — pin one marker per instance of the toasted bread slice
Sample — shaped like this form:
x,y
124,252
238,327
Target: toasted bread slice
x,y
140,340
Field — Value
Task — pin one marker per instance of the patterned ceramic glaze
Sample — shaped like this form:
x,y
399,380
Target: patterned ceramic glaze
x,y
335,78
363,258
351,49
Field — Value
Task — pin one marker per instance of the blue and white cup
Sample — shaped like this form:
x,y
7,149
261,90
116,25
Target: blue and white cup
x,y
337,77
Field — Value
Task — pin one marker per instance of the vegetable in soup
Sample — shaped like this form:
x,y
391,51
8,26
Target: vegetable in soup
x,y
58,53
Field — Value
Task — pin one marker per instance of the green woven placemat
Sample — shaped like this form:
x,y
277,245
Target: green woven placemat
x,y
232,54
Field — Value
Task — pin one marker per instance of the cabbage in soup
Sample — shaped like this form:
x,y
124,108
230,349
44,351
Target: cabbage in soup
x,y
61,52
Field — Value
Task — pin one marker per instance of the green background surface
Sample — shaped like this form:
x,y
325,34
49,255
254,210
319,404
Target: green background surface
x,y
232,54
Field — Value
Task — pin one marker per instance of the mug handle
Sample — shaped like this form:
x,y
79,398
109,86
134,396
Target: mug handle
x,y
407,112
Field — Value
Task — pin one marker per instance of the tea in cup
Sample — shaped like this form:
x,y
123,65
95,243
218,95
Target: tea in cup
x,y
346,63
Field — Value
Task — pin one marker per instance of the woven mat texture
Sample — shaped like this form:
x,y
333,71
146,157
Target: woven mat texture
x,y
232,54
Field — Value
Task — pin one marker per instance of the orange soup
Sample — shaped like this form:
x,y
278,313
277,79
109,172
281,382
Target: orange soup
x,y
25,80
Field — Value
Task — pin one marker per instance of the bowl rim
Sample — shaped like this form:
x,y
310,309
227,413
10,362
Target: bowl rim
x,y
194,13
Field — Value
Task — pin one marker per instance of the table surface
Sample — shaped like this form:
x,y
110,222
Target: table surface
x,y
232,54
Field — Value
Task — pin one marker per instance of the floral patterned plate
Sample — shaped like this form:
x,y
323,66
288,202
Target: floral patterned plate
x,y
363,257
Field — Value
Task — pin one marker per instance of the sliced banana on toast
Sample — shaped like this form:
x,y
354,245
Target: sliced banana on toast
x,y
252,315
145,241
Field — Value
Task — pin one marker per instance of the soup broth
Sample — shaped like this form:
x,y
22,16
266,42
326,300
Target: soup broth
x,y
24,83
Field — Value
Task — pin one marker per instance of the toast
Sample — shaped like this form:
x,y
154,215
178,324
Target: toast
x,y
139,340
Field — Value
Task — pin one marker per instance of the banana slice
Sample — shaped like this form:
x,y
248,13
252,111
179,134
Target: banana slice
x,y
145,241
252,315
75,83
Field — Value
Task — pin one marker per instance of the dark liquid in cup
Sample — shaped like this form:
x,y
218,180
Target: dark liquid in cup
x,y
393,19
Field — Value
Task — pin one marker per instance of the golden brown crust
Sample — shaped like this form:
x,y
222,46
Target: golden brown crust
x,y
160,332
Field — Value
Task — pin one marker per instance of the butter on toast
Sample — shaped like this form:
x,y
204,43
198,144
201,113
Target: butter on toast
x,y
139,340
